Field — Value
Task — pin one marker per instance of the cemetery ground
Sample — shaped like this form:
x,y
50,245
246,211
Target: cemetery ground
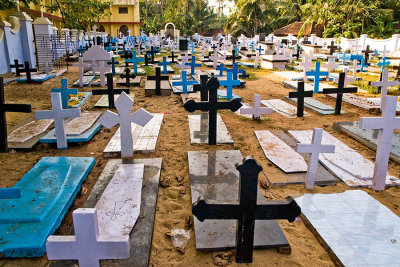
x,y
174,209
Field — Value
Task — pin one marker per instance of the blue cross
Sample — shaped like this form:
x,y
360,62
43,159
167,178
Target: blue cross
x,y
344,57
134,60
65,92
193,65
184,83
109,48
230,83
235,71
252,45
363,65
164,64
81,50
236,49
221,69
376,53
317,73
192,46
384,63
113,63
259,49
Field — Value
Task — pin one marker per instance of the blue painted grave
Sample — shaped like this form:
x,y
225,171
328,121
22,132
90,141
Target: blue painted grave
x,y
113,63
37,78
235,71
165,65
229,83
383,63
184,83
193,65
134,60
65,92
317,73
222,95
47,192
50,137
221,70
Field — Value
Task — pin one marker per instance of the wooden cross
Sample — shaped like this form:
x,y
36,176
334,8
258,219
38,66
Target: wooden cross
x,y
317,73
128,76
81,65
221,69
146,60
330,65
165,65
366,53
152,52
172,56
306,63
340,90
247,212
257,58
65,92
384,83
110,91
229,83
300,95
234,57
193,65
28,72
184,82
103,69
7,108
158,78
17,67
235,70
332,48
113,63
212,106
134,60
256,111
382,63
202,87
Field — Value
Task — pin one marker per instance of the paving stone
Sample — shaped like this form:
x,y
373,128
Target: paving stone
x,y
103,101
198,125
282,108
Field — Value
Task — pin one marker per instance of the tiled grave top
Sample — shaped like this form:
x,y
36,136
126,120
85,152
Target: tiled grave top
x,y
354,226
198,125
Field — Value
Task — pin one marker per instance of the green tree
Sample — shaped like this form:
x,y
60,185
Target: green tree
x,y
10,4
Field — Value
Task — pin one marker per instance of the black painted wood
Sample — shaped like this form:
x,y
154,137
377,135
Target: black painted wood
x,y
128,75
172,57
332,48
202,87
366,52
28,71
300,95
17,67
110,91
158,78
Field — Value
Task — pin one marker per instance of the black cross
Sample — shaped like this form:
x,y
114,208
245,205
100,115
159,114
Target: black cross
x,y
366,53
172,56
297,55
212,106
340,91
214,47
146,60
152,52
17,67
332,48
158,78
202,87
110,91
7,108
300,95
244,75
234,56
247,212
128,76
28,72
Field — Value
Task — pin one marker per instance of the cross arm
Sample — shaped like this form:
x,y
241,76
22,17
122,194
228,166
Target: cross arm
x,y
203,211
141,117
283,209
233,105
109,119
192,106
18,108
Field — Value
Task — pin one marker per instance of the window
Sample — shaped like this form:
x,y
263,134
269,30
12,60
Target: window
x,y
123,10
124,29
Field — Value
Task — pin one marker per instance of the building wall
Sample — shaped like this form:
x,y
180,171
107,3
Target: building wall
x,y
131,19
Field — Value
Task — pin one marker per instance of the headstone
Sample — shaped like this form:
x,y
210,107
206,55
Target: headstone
x,y
300,95
257,110
27,132
384,83
110,91
199,130
65,93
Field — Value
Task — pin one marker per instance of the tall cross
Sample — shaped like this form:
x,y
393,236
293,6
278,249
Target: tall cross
x,y
317,73
65,92
95,34
366,53
172,56
184,82
315,148
125,119
235,70
212,106
58,114
340,90
229,83
17,67
165,65
234,57
382,63
332,48
7,108
87,246
81,65
110,91
113,63
127,75
103,69
202,87
386,126
247,212
256,111
158,78
193,65
300,95
355,47
28,72
135,60
384,83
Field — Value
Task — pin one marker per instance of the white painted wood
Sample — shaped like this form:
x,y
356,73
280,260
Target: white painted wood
x,y
347,79
81,65
330,66
256,59
87,246
103,68
215,58
385,83
257,110
103,101
282,108
355,67
386,126
306,64
279,153
29,130
79,125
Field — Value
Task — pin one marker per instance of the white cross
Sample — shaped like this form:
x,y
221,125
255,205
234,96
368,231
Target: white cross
x,y
306,63
58,114
215,59
330,65
81,67
347,79
256,58
47,69
384,84
355,47
315,148
129,32
386,125
257,110
102,68
384,51
185,58
224,58
354,68
95,34
124,106
120,34
94,66
87,246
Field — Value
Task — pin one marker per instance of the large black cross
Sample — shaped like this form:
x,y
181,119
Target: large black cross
x,y
332,48
17,67
202,87
212,106
300,95
158,78
172,56
28,72
234,57
340,90
7,108
146,59
247,212
152,52
366,53
110,91
128,75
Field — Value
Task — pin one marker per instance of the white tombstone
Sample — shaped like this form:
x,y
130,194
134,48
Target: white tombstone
x,y
87,246
58,114
384,84
386,126
124,106
257,110
81,67
315,148
256,59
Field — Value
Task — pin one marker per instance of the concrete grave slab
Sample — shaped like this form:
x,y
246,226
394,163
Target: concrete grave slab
x,y
79,100
355,228
282,108
79,125
290,75
29,131
47,192
86,80
97,82
144,138
132,82
39,78
293,85
103,101
150,88
378,101
198,125
213,175
222,94
316,105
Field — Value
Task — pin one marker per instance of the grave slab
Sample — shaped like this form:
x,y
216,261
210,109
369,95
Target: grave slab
x,y
290,75
368,138
378,101
39,78
213,175
132,82
316,105
356,229
150,88
103,101
282,108
144,138
222,94
293,85
47,192
80,100
198,126
346,163
97,82
142,233
86,81
29,131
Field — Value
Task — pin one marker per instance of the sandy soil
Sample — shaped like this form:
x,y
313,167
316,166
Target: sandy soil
x,y
174,202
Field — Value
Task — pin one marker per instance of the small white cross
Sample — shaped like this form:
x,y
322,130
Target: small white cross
x,y
347,79
355,47
386,126
120,34
330,65
256,58
306,63
384,84
102,68
47,69
81,67
124,106
58,114
129,32
95,34
354,68
185,58
215,59
384,51
257,110
87,246
315,148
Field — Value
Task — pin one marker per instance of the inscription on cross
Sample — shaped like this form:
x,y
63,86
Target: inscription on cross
x,y
110,91
247,211
300,95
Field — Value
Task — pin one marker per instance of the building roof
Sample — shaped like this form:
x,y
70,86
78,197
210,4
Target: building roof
x,y
295,27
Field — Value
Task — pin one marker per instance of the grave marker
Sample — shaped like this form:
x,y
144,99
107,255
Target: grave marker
x,y
229,83
257,110
221,70
17,67
172,57
383,63
28,72
158,78
235,70
317,73
110,91
65,92
332,48
184,83
202,87
256,58
384,83
215,59
128,76
152,52
300,95
367,52
81,65
135,60
193,65
165,65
